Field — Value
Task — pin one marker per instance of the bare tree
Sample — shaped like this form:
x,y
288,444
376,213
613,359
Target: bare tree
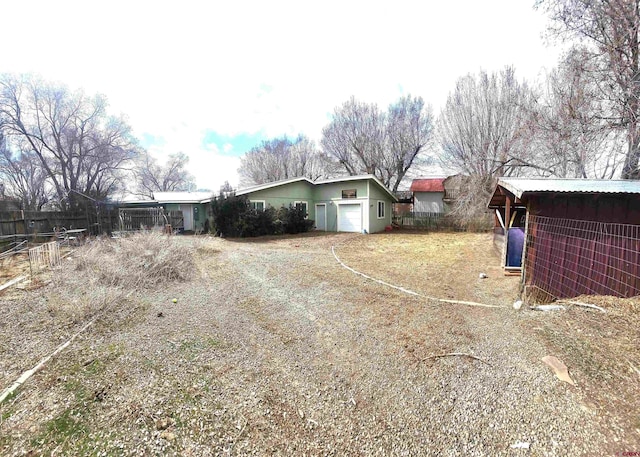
x,y
609,31
281,158
410,129
482,126
307,160
23,177
355,138
365,140
226,188
173,176
483,133
569,135
81,148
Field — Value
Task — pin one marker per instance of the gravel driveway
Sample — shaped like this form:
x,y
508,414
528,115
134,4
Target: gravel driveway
x,y
273,348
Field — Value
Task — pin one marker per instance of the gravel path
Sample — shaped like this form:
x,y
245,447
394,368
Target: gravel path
x,y
277,349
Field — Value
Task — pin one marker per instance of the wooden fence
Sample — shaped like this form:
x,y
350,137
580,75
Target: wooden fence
x,y
420,221
442,221
17,225
131,219
45,255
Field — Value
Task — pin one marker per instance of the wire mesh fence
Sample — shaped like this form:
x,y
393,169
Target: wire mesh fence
x,y
567,258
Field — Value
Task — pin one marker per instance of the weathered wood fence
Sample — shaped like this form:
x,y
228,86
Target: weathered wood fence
x,y
420,220
16,225
131,219
45,255
442,221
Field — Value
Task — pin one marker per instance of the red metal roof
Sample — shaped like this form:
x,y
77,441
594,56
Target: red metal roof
x,y
428,185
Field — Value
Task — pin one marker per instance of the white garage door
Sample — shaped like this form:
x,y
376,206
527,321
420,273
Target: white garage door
x,y
350,218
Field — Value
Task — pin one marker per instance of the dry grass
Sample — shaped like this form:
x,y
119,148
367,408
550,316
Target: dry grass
x,y
140,260
14,266
106,279
438,264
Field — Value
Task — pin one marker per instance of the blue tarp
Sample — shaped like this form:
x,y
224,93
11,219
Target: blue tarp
x,y
515,242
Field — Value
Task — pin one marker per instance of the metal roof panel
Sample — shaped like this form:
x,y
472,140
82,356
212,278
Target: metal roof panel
x,y
520,186
427,185
181,197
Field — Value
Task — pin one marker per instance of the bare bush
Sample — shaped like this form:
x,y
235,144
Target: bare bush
x,y
139,261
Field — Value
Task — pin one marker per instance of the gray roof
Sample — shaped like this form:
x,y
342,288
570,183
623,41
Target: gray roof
x,y
519,186
181,197
269,185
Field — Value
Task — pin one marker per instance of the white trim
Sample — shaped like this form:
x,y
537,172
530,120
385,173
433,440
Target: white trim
x,y
368,178
264,204
325,216
248,190
360,178
350,202
306,203
187,216
384,209
355,191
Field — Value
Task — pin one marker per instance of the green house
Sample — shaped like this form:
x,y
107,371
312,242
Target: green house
x,y
348,204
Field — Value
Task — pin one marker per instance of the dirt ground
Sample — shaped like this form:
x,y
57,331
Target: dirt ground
x,y
272,347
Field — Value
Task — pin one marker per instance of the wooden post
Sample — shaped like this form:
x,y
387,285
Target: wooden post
x,y
86,214
507,219
507,213
524,248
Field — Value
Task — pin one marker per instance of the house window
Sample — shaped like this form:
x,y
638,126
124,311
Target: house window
x,y
258,205
380,209
303,206
350,193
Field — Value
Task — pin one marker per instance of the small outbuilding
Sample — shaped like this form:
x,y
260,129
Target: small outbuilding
x,y
428,195
192,206
569,237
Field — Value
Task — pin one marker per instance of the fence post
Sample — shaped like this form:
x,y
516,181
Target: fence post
x,y
86,214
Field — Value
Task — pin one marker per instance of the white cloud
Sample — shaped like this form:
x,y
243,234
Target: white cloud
x,y
208,164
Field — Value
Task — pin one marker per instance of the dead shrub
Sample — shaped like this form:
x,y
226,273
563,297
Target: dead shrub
x,y
140,260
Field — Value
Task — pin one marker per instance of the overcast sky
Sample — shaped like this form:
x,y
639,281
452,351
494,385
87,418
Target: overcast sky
x,y
212,79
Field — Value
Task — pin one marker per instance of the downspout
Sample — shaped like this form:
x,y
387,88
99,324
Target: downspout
x,y
366,209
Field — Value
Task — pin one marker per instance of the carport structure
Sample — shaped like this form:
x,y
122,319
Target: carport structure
x,y
569,237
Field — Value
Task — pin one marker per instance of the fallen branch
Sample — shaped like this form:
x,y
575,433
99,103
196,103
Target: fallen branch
x,y
12,282
27,374
579,303
407,291
452,354
460,302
